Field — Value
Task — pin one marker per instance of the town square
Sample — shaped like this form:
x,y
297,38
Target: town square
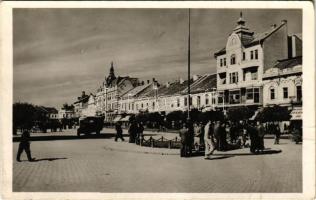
x,y
158,100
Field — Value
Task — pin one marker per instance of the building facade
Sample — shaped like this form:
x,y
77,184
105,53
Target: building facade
x,y
244,60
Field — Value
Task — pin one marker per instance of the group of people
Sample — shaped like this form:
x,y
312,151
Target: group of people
x,y
135,131
213,136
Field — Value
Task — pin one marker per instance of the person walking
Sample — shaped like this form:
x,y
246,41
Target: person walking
x,y
25,146
119,131
209,139
277,134
184,133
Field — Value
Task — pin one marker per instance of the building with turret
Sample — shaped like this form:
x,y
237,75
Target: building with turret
x,y
245,58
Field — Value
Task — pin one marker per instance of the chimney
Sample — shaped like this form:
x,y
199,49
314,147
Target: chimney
x,y
154,80
148,81
284,21
83,93
181,80
273,26
195,77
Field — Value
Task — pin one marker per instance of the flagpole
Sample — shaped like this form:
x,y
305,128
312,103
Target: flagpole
x,y
189,60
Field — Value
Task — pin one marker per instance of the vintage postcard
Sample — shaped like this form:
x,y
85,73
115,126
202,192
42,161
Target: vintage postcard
x,y
160,100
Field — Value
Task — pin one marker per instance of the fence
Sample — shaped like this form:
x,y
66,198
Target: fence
x,y
160,143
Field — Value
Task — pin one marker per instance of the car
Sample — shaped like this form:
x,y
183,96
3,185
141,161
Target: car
x,y
88,125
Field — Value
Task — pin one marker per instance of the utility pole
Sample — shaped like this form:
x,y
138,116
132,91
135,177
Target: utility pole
x,y
189,60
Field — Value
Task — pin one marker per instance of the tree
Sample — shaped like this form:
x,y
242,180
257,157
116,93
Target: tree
x,y
274,114
239,113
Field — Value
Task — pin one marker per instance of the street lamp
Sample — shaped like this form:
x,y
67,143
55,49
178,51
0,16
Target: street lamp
x,y
189,60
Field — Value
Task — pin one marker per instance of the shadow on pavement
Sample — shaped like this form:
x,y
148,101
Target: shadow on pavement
x,y
250,154
69,137
219,157
48,159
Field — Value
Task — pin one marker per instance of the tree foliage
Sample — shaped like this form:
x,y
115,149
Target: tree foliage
x,y
239,113
274,114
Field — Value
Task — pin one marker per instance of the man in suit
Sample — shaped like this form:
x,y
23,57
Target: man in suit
x,y
119,131
184,134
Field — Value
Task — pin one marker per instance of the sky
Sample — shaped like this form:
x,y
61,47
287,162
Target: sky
x,y
58,53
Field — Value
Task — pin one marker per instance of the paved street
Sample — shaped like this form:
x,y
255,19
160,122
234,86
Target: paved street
x,y
102,165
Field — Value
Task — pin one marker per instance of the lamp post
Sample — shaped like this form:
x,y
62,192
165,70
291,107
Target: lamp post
x,y
189,60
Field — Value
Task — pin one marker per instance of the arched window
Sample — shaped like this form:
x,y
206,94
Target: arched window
x,y
233,59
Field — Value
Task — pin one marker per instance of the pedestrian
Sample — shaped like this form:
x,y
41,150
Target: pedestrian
x,y
209,139
119,131
277,134
25,146
140,130
199,133
184,133
261,134
254,138
132,131
190,136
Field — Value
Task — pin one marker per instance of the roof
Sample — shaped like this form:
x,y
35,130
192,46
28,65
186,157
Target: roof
x,y
173,88
120,79
136,90
203,84
256,39
289,63
48,109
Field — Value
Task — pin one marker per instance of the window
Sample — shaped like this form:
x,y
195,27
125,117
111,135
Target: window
x,y
198,101
153,105
129,106
299,93
243,55
185,101
132,106
206,99
136,106
253,94
285,93
272,93
234,97
221,62
233,59
213,100
256,54
142,105
178,102
220,97
233,77
251,55
224,62
190,101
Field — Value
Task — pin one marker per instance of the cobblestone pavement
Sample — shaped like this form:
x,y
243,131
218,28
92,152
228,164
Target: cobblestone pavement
x,y
102,165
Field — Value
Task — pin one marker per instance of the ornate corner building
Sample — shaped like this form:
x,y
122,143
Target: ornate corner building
x,y
259,69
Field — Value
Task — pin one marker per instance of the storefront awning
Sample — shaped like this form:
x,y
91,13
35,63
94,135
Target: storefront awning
x,y
296,114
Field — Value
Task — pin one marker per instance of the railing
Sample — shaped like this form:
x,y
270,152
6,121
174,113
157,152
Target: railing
x,y
160,143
